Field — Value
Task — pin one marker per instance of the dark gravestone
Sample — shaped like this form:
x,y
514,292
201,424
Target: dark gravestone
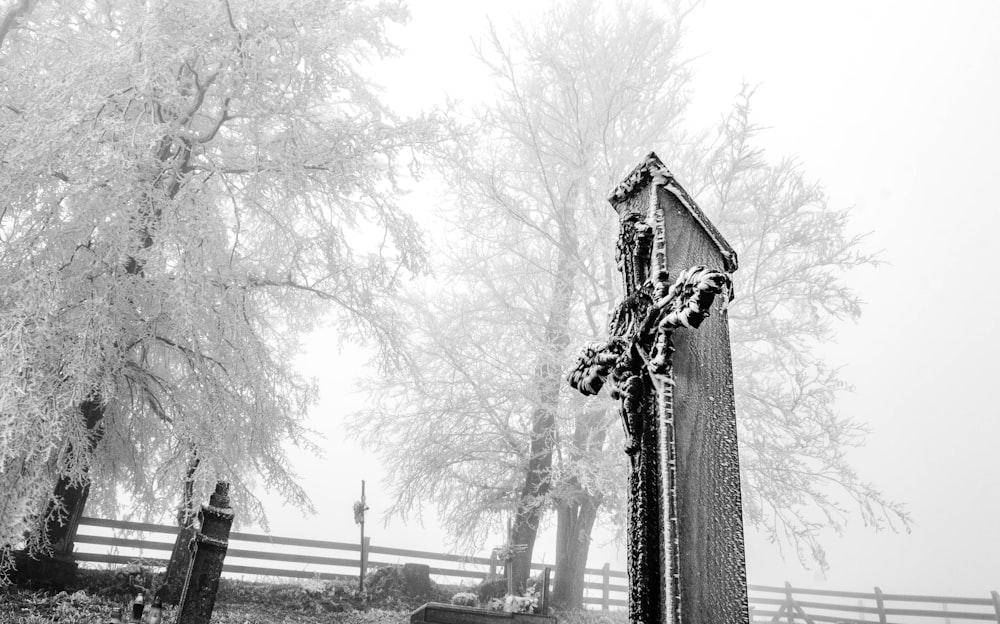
x,y
416,579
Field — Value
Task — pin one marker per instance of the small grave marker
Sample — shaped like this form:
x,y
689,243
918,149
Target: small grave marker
x,y
506,553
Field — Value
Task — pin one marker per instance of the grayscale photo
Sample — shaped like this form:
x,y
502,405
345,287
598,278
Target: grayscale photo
x,y
529,312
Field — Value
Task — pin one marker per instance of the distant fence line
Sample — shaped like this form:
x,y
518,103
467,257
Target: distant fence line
x,y
314,559
781,605
604,588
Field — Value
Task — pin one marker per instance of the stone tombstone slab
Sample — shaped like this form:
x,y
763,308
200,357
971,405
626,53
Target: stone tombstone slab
x,y
669,363
417,579
441,613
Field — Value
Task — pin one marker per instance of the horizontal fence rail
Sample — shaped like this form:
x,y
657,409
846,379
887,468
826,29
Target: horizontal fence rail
x,y
259,555
298,558
797,605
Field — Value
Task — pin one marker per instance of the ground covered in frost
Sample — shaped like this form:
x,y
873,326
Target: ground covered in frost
x,y
40,607
99,592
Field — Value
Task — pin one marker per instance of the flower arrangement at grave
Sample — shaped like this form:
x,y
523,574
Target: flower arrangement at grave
x,y
528,603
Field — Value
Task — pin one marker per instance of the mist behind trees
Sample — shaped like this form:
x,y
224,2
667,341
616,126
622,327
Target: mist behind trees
x,y
499,267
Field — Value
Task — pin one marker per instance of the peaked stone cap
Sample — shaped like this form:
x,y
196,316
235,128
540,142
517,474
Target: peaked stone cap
x,y
652,169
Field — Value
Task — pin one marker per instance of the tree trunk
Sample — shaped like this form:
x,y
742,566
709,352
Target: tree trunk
x,y
60,528
549,373
180,558
531,502
576,513
575,522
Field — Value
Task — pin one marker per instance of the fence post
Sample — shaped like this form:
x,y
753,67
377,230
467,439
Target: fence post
x,y
790,602
996,604
546,576
365,545
880,604
606,586
494,564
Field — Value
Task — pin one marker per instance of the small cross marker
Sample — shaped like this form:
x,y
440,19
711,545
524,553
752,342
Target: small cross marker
x,y
506,553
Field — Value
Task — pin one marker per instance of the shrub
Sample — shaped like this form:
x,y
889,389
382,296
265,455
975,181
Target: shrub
x,y
488,590
387,587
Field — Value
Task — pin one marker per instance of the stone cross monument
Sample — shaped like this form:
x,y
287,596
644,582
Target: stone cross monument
x,y
668,363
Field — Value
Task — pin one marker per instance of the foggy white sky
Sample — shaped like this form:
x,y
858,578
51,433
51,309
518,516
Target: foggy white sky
x,y
894,107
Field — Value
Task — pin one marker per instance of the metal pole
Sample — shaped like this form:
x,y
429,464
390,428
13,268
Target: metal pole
x,y
361,577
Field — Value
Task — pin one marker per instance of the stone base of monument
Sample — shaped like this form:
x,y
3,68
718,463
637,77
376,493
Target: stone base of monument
x,y
441,613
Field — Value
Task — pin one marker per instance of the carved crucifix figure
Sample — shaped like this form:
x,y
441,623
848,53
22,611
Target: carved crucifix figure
x,y
685,526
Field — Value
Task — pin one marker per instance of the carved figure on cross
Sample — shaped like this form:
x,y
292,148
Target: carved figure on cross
x,y
640,342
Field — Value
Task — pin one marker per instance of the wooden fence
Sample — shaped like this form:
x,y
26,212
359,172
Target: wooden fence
x,y
788,605
292,557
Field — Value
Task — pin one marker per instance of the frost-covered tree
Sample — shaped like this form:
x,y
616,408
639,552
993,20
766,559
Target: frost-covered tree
x,y
489,427
185,188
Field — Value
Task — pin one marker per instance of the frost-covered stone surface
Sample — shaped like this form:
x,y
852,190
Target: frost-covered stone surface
x,y
675,393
